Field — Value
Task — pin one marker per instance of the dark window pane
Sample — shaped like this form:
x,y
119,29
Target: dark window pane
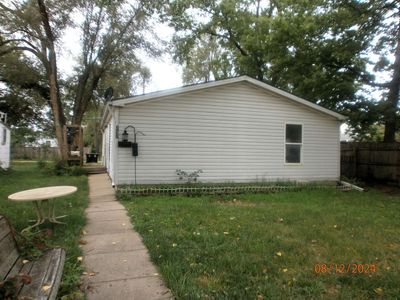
x,y
293,153
293,133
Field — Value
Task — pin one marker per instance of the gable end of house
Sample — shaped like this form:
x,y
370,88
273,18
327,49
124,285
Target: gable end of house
x,y
160,95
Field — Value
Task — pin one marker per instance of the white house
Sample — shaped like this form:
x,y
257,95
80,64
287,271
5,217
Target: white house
x,y
4,142
234,130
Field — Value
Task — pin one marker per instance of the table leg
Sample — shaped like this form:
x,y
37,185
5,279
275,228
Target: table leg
x,y
52,217
40,219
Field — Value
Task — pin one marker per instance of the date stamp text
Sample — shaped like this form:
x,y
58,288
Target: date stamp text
x,y
352,268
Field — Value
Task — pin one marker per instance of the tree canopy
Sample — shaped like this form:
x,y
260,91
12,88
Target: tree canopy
x,y
110,32
341,54
24,99
317,49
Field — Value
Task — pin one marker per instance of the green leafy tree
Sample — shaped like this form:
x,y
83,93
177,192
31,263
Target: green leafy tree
x,y
373,116
318,50
24,100
110,34
205,61
387,45
141,79
309,48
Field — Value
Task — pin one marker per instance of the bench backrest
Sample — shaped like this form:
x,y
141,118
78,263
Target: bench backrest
x,y
8,248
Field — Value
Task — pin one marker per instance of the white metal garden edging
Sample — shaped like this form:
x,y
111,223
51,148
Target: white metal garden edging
x,y
221,190
352,186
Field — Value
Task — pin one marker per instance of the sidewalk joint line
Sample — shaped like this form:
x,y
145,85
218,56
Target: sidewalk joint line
x,y
118,251
126,278
122,231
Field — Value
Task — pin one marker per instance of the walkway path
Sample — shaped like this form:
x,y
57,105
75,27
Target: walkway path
x,y
116,261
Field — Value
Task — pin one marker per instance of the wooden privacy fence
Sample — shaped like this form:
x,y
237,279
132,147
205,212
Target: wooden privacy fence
x,y
371,161
35,153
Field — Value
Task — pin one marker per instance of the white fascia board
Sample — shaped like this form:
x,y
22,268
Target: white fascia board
x,y
106,116
197,87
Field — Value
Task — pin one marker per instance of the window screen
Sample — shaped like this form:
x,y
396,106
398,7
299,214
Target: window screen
x,y
293,143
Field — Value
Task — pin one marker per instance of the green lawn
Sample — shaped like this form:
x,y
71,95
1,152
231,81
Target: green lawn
x,y
26,175
266,246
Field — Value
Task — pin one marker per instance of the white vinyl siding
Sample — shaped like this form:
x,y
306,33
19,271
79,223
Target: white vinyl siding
x,y
4,146
233,133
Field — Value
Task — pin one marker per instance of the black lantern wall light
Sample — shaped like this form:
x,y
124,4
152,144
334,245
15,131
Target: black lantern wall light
x,y
125,143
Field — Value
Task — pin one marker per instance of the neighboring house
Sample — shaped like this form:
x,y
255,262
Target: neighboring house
x,y
4,142
235,130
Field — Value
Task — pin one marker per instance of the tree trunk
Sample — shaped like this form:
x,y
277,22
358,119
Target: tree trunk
x,y
392,101
51,70
56,106
86,85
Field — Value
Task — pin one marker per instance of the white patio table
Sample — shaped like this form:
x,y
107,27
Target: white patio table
x,y
45,194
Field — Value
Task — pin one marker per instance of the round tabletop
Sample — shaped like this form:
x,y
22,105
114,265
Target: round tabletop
x,y
43,193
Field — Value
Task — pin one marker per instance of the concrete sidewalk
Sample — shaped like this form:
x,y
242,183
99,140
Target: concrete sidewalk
x,y
117,263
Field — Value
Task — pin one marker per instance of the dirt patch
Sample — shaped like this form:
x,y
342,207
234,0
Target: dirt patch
x,y
237,202
332,292
387,189
209,281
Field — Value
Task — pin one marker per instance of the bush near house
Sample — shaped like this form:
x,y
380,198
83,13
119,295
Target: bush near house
x,y
289,245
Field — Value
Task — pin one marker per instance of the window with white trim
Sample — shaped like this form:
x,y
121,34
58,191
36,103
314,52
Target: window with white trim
x,y
293,143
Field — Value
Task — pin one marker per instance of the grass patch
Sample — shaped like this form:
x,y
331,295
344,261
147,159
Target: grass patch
x,y
266,246
26,175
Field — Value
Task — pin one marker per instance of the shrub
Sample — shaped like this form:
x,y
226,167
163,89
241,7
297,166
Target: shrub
x,y
42,164
188,177
76,171
61,168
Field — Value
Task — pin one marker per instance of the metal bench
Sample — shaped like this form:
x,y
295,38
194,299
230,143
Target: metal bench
x,y
44,274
